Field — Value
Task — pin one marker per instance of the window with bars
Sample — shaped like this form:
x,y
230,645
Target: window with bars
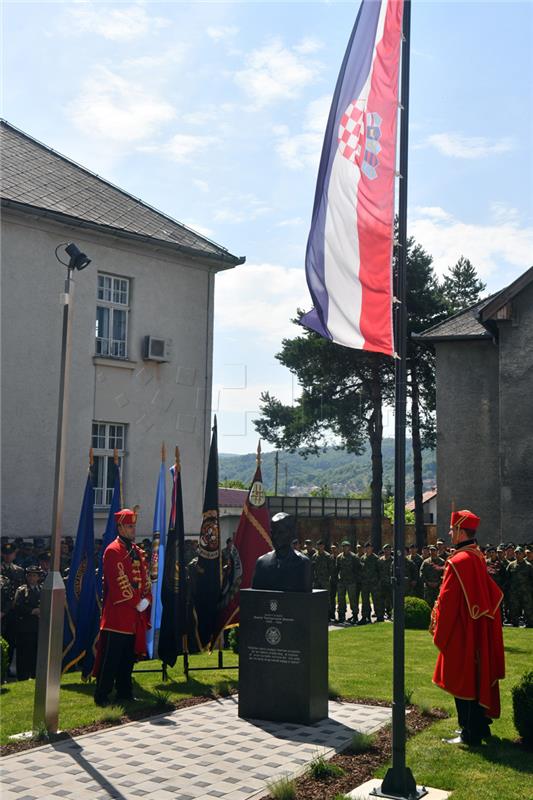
x,y
106,436
112,308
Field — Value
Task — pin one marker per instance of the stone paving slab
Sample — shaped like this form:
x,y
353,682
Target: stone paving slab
x,y
204,752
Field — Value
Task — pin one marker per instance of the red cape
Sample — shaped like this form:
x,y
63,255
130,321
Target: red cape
x,y
468,632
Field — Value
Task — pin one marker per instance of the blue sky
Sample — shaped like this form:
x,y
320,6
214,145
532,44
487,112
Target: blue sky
x,y
215,112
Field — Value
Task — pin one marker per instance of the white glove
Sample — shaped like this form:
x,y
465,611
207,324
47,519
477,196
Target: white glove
x,y
142,604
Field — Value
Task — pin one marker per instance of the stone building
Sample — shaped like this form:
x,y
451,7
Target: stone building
x,y
142,341
485,412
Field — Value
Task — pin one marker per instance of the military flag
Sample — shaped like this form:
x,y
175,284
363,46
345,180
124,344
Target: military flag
x,y
252,539
110,533
82,615
349,250
174,578
158,557
207,580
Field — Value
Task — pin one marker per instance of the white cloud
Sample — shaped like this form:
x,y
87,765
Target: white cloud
x,y
240,208
274,72
167,58
260,299
222,32
303,149
119,24
203,186
434,212
209,113
308,45
111,107
468,147
499,249
182,147
290,223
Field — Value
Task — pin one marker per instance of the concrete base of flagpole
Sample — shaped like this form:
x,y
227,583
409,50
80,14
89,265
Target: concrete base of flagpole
x,y
368,791
49,654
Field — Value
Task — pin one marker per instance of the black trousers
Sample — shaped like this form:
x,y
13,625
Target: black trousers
x,y
26,644
473,722
116,665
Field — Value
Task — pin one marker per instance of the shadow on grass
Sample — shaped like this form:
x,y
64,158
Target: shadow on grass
x,y
508,753
516,650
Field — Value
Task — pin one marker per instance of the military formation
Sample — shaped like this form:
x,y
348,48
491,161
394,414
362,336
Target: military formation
x,y
362,580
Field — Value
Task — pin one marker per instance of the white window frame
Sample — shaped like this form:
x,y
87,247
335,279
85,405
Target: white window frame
x,y
107,347
103,441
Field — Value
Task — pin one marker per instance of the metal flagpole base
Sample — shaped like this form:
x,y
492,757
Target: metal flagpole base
x,y
49,654
399,787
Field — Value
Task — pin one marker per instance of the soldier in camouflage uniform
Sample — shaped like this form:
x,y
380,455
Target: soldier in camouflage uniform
x,y
12,577
385,584
431,572
412,576
348,581
322,564
416,559
496,568
370,585
520,576
334,552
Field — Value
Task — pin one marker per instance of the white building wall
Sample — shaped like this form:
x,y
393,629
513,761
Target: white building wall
x,y
170,298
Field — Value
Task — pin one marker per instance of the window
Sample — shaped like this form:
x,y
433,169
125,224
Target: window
x,y
106,436
113,297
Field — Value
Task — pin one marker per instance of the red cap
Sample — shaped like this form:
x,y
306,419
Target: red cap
x,y
465,520
126,517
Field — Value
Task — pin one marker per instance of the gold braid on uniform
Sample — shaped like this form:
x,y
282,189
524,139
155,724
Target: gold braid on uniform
x,y
433,622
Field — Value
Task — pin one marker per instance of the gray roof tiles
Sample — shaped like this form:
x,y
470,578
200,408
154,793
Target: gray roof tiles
x,y
34,175
463,325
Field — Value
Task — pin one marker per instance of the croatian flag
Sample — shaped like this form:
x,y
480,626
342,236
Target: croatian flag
x,y
349,251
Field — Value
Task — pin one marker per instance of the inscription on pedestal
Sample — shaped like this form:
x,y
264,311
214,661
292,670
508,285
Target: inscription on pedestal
x,y
283,658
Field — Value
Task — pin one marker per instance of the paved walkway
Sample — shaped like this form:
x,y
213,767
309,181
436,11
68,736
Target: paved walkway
x,y
204,752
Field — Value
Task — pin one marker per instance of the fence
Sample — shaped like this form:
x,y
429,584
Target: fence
x,y
344,507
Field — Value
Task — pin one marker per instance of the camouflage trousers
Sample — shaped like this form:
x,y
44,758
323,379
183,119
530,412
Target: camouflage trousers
x,y
377,602
386,594
430,595
520,600
352,590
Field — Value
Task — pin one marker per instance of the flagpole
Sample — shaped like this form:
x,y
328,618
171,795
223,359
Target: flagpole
x,y
399,781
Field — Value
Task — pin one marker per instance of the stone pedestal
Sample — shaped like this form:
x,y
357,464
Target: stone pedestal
x,y
283,656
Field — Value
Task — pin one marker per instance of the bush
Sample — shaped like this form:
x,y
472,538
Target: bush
x,y
362,742
523,707
4,659
417,614
233,639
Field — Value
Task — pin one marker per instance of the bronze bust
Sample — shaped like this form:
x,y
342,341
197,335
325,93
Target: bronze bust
x,y
283,569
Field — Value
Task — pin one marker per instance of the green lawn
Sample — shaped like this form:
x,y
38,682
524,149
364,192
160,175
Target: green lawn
x,y
360,666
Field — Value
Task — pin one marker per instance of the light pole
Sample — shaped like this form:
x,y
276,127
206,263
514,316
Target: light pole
x,y
50,644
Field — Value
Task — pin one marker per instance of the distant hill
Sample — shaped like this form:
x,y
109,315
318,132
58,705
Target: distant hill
x,y
341,471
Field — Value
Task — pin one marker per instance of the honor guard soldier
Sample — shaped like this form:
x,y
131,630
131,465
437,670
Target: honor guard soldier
x,y
125,612
431,573
496,568
348,581
26,613
415,557
468,633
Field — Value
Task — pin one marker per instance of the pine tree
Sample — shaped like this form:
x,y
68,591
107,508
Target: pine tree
x,y
461,287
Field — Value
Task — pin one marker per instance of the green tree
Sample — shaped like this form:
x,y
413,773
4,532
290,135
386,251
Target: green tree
x,y
343,392
388,511
461,286
232,484
425,307
321,491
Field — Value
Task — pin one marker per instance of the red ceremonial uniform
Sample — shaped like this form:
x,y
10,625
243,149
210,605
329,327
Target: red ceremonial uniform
x,y
468,632
126,582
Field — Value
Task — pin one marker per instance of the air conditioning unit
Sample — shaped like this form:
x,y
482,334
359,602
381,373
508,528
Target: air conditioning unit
x,y
155,349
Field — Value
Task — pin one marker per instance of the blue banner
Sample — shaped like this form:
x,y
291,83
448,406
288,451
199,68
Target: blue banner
x,y
158,560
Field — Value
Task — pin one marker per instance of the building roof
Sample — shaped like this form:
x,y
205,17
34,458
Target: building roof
x,y
35,177
463,325
479,320
426,497
231,498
